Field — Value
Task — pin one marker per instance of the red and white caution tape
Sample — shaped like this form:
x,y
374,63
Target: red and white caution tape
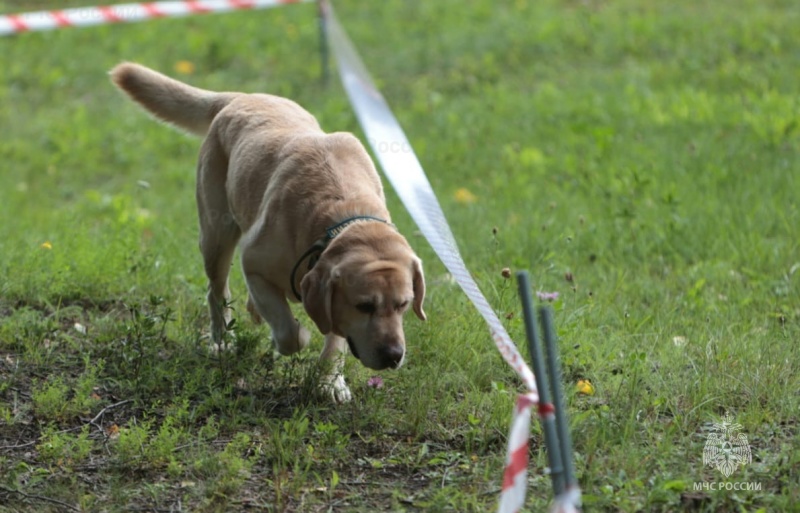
x,y
512,495
404,171
87,16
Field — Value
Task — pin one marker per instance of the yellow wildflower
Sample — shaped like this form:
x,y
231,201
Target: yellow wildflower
x,y
184,67
46,245
464,196
585,387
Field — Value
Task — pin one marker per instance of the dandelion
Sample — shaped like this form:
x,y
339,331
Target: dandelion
x,y
184,67
547,296
584,386
46,245
375,382
464,196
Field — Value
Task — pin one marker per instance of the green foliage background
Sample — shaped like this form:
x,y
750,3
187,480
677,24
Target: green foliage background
x,y
640,158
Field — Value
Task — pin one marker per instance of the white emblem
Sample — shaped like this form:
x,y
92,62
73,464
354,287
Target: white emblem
x,y
726,448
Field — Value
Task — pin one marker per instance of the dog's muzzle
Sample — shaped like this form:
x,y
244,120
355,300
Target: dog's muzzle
x,y
389,357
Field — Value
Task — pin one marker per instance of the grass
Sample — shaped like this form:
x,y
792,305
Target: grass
x,y
641,159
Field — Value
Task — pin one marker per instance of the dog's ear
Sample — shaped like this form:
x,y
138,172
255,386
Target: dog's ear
x,y
317,290
419,289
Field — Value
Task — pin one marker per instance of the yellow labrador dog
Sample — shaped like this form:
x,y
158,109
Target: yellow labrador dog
x,y
308,210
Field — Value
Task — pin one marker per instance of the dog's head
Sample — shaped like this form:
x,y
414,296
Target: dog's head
x,y
363,284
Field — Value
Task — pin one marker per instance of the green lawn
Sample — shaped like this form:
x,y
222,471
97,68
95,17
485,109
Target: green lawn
x,y
640,158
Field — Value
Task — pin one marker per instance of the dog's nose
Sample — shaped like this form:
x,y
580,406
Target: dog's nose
x,y
392,355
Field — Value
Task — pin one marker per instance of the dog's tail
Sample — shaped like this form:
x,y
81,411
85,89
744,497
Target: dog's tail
x,y
172,101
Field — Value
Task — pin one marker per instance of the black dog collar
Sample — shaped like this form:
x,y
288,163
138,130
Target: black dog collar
x,y
319,246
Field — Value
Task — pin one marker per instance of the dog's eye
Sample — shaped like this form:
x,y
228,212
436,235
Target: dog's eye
x,y
402,306
366,308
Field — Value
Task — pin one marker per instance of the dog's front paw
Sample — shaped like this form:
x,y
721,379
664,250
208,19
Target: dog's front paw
x,y
335,388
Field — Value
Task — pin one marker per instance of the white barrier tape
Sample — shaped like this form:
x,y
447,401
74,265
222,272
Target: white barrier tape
x,y
87,16
409,181
403,170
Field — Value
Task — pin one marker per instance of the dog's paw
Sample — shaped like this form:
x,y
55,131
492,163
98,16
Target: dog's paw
x,y
335,388
219,341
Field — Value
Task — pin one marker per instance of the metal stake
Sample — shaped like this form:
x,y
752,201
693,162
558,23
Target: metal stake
x,y
554,363
551,440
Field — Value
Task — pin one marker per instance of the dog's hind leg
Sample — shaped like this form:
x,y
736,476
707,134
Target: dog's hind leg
x,y
219,234
251,309
218,249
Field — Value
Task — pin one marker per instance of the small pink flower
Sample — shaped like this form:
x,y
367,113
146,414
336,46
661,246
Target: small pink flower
x,y
375,382
547,296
